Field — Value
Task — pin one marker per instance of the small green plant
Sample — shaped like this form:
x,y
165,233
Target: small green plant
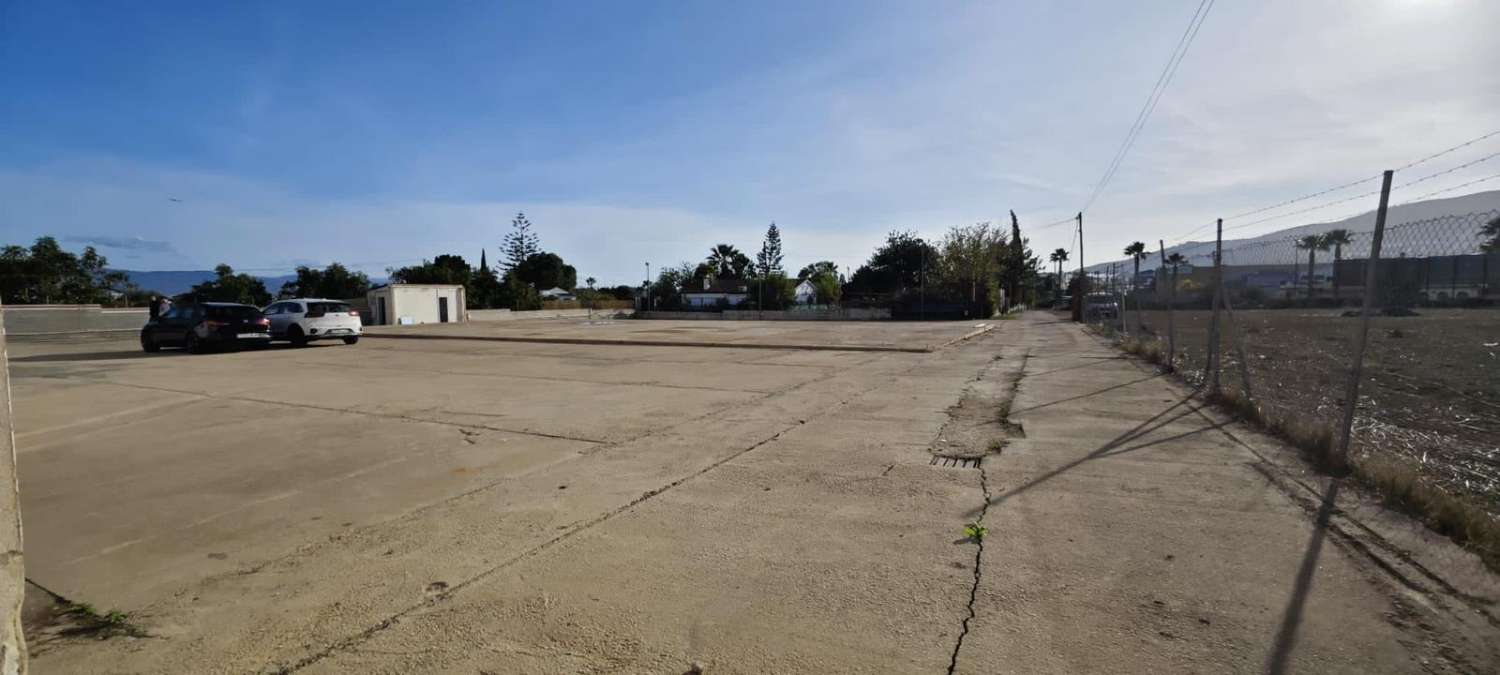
x,y
115,618
82,609
997,444
975,532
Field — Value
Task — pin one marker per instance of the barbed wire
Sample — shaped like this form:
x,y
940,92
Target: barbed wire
x,y
1336,188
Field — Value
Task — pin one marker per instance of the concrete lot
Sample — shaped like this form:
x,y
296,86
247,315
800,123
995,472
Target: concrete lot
x,y
470,506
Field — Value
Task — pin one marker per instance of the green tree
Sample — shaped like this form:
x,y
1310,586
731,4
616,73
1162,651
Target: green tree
x,y
1312,243
45,273
972,256
1338,238
334,281
827,288
444,269
1137,253
728,262
1059,256
904,261
227,286
768,261
820,268
546,270
519,244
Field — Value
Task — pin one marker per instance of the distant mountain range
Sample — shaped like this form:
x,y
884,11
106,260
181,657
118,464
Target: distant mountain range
x,y
1414,230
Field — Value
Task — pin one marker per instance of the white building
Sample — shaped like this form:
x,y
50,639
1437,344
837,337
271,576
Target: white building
x,y
806,293
409,304
728,292
556,294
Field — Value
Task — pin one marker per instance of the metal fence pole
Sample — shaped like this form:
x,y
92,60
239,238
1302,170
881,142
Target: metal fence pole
x,y
1171,294
1213,326
12,568
1351,398
1239,347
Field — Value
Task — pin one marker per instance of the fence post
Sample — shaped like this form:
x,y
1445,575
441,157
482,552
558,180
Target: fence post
x,y
12,568
1239,348
1340,459
1213,326
1083,277
1171,295
1120,296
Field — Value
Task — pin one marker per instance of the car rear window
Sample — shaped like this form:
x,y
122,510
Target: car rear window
x,y
321,308
233,313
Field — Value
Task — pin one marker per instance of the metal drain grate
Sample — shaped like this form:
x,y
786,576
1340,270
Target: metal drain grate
x,y
956,462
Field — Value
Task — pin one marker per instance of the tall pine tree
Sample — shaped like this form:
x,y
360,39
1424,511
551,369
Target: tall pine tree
x,y
520,243
768,261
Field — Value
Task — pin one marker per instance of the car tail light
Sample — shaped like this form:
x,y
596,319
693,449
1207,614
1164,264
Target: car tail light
x,y
353,312
263,322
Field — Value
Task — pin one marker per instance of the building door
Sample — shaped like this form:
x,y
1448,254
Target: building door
x,y
442,310
380,311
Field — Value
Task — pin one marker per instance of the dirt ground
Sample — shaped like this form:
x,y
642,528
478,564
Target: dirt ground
x,y
468,506
1431,390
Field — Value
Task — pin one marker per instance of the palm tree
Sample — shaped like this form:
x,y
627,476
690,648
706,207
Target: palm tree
x,y
1137,253
1338,239
1174,260
1059,256
723,258
1491,230
1312,243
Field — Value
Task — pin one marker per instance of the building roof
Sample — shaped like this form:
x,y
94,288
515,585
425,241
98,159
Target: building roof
x,y
717,287
376,288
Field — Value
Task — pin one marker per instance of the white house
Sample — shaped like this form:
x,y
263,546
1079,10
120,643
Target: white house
x,y
806,293
556,294
407,304
726,291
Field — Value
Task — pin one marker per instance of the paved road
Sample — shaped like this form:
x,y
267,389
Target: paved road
x,y
805,530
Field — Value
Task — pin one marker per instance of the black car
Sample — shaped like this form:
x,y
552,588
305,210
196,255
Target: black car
x,y
199,326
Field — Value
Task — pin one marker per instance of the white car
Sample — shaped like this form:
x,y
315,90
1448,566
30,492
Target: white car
x,y
302,320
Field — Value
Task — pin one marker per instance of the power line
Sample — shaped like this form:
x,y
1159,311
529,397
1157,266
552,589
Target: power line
x,y
1460,146
1162,81
1456,187
1336,188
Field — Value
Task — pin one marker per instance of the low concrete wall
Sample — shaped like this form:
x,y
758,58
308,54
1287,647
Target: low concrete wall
x,y
507,315
23,320
794,315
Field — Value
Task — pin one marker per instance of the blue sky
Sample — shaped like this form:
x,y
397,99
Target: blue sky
x,y
377,134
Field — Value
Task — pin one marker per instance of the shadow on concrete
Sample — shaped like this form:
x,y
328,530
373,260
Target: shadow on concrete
x,y
1110,388
1115,447
1291,618
125,354
88,356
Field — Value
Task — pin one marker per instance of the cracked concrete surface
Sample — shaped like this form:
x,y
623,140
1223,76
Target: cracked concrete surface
x,y
753,511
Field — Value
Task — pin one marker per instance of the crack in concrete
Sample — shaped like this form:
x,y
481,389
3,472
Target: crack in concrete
x,y
984,488
958,644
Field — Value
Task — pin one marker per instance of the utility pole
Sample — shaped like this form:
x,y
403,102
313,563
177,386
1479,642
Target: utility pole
x,y
1171,291
1083,278
922,279
1351,398
648,286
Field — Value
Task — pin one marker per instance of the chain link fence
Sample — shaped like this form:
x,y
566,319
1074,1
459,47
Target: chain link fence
x,y
1282,340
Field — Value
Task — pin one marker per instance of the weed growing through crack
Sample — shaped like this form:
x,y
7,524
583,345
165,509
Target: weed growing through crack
x,y
975,532
997,444
90,621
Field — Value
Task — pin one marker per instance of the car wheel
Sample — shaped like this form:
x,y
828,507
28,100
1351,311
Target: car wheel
x,y
296,337
192,344
351,340
148,344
